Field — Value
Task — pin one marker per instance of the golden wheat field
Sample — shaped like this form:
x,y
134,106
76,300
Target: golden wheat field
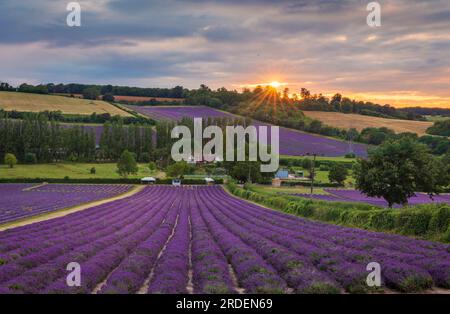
x,y
34,103
359,122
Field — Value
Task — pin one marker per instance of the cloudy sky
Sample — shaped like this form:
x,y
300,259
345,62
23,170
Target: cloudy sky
x,y
325,46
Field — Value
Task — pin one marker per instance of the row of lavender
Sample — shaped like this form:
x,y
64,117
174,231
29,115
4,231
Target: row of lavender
x,y
200,239
22,200
336,195
294,143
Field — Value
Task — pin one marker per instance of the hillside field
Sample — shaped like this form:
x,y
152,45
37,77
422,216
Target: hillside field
x,y
35,103
359,122
292,142
131,98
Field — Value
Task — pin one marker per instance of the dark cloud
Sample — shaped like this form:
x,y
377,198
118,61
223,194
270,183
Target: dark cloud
x,y
228,41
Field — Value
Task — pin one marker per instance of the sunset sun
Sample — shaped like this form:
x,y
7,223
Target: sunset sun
x,y
275,84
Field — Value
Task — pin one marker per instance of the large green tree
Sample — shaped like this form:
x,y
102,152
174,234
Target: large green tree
x,y
338,173
178,169
397,169
91,93
246,171
127,164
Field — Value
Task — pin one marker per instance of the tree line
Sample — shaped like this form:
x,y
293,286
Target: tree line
x,y
78,118
268,105
441,128
175,92
38,139
302,100
223,98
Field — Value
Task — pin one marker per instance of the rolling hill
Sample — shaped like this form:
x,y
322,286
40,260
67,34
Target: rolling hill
x,y
35,102
359,122
292,142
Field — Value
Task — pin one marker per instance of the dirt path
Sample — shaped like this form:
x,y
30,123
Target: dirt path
x,y
35,186
146,285
67,211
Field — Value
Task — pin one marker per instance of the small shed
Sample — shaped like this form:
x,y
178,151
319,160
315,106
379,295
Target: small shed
x,y
176,182
282,174
148,180
209,181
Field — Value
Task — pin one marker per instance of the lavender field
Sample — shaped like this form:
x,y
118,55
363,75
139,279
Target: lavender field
x,y
196,239
336,195
23,200
293,143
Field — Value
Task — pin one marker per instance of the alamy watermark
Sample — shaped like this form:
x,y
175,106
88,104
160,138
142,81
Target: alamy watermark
x,y
213,150
74,17
374,17
374,277
73,279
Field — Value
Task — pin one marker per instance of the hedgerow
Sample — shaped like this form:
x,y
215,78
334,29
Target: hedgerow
x,y
429,221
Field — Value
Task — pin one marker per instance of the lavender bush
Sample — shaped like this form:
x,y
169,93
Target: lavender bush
x,y
294,143
21,200
199,239
337,195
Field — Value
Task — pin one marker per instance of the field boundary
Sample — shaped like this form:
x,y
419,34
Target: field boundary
x,y
69,210
426,222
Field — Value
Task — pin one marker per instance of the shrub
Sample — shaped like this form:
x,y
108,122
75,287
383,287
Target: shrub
x,y
93,170
151,166
382,220
10,160
108,97
73,158
145,157
446,236
305,209
440,219
30,158
414,222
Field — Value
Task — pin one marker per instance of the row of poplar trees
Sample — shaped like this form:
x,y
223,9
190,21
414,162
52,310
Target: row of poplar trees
x,y
49,141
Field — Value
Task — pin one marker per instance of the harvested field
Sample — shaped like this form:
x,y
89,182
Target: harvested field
x,y
359,122
35,103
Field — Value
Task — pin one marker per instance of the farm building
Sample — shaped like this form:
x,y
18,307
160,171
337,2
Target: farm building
x,y
282,174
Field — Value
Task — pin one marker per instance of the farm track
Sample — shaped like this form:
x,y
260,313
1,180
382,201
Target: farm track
x,y
201,240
